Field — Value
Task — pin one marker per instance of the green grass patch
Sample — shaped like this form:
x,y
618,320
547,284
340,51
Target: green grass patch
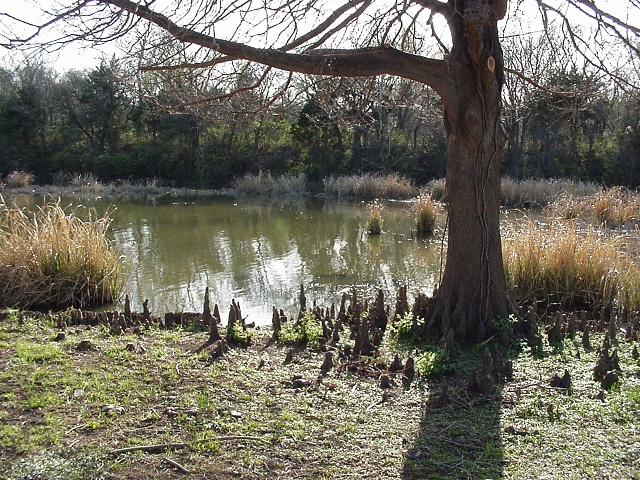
x,y
37,352
307,330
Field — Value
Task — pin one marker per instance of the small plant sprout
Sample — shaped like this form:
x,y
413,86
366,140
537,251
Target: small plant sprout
x,y
305,331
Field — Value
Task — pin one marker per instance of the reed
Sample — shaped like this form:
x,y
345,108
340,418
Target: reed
x,y
541,192
529,193
437,189
582,269
374,218
616,206
19,179
52,258
369,186
264,184
425,213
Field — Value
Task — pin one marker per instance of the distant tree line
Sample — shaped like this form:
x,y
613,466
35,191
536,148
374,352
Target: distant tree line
x,y
102,123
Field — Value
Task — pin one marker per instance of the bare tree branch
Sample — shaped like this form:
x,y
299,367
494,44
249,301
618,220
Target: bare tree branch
x,y
39,28
436,6
538,86
349,63
327,23
583,47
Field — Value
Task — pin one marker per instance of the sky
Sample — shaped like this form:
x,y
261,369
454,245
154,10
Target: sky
x,y
81,56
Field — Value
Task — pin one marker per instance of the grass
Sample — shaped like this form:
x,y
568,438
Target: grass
x,y
19,179
582,268
243,416
265,184
528,193
56,258
616,206
307,330
374,220
425,213
369,187
612,208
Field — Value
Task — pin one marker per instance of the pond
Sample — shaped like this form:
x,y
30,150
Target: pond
x,y
260,251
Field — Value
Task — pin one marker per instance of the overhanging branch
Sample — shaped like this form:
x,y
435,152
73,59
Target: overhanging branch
x,y
346,63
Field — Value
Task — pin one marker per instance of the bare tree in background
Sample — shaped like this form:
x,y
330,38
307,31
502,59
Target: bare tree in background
x,y
369,38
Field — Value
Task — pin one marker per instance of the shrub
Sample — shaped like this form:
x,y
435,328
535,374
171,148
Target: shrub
x,y
433,362
401,329
237,334
53,258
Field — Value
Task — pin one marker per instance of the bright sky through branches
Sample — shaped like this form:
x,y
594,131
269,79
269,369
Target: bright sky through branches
x,y
81,55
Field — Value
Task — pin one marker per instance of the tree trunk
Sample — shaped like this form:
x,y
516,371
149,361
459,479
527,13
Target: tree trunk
x,y
473,289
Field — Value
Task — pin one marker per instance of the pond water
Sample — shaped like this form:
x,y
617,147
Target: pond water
x,y
260,251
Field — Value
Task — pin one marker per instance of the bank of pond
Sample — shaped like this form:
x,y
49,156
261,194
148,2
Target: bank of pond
x,y
576,245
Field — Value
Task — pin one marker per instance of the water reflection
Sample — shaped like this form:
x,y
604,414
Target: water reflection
x,y
259,252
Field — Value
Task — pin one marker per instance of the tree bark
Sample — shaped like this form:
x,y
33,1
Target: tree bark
x,y
473,290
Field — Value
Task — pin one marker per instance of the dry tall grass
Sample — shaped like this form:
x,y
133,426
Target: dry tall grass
x,y
616,206
55,259
19,179
583,269
613,207
437,189
265,184
374,218
425,212
528,193
541,192
369,186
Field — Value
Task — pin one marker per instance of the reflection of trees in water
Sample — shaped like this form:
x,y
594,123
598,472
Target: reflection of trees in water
x,y
260,251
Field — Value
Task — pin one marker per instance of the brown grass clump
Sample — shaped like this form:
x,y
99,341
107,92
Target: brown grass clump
x,y
55,259
266,184
438,189
374,218
583,269
369,187
425,211
612,207
541,192
569,207
616,206
19,179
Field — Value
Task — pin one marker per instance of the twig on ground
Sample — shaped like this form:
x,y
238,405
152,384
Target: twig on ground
x,y
176,465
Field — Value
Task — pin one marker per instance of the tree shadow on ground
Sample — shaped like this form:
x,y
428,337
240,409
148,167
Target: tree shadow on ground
x,y
460,432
